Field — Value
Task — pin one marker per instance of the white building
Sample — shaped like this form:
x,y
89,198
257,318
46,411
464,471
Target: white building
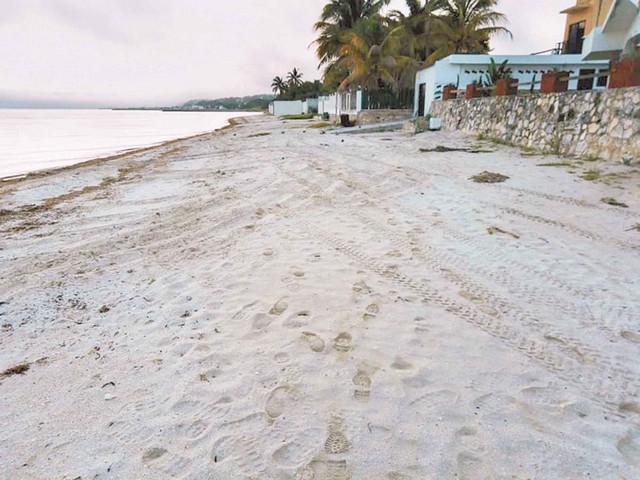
x,y
620,31
278,108
463,69
337,104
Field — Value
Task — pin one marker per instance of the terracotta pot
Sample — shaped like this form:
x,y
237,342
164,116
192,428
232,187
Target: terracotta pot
x,y
506,86
449,92
552,83
624,73
472,91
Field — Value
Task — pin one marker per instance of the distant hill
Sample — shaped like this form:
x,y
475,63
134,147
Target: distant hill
x,y
253,102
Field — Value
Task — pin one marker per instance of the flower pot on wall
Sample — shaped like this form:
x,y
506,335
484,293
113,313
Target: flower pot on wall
x,y
472,91
624,73
506,86
553,82
449,92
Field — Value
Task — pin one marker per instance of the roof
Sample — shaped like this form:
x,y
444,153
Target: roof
x,y
484,59
577,8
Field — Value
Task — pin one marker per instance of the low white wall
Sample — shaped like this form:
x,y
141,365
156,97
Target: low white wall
x,y
286,107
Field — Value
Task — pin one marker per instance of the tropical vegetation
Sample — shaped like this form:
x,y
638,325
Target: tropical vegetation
x,y
359,45
293,88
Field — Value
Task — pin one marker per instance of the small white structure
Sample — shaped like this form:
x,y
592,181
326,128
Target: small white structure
x,y
278,108
341,103
620,30
462,69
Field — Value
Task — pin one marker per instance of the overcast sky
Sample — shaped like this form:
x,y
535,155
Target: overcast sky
x,y
165,52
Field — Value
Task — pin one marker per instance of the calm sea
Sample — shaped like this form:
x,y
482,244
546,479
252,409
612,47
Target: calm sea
x,y
32,140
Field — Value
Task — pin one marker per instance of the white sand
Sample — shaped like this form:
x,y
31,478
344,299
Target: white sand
x,y
317,306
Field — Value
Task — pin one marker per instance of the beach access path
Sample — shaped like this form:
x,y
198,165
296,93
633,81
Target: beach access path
x,y
275,301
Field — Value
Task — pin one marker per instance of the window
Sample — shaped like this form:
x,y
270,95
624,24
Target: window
x,y
602,81
586,83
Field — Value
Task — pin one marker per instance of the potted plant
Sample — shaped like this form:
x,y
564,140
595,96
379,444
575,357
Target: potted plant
x,y
554,81
472,90
449,92
499,77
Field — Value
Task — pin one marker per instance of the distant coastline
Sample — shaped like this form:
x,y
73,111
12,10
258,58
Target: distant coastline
x,y
182,109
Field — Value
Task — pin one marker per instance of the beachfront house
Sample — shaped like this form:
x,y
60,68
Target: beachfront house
x,y
596,31
615,31
462,69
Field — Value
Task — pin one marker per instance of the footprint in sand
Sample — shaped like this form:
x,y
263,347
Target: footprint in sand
x,y
401,364
314,341
336,443
279,308
160,459
297,320
260,321
296,272
371,311
362,381
468,464
332,464
281,357
361,288
276,402
629,447
193,430
631,336
470,296
489,310
153,454
342,342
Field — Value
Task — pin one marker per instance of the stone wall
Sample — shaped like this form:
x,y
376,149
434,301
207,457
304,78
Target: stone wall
x,y
366,117
596,123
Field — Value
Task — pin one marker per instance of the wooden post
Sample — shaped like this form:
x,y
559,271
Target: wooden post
x,y
506,86
552,82
624,73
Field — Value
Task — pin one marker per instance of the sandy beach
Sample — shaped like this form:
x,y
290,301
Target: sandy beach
x,y
275,301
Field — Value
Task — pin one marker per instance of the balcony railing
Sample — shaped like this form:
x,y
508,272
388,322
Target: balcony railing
x,y
563,48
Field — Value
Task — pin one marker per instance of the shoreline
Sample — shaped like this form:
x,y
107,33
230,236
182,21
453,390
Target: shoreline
x,y
114,156
273,301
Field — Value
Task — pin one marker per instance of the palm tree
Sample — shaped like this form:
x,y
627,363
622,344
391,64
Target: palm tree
x,y
278,85
338,17
467,26
294,78
417,25
371,57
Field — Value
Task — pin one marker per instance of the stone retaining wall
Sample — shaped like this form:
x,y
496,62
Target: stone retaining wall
x,y
597,123
366,117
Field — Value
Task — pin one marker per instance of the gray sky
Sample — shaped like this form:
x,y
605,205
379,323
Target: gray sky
x,y
164,52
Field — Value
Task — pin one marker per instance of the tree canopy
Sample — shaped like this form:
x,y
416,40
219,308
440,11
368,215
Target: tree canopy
x,y
359,46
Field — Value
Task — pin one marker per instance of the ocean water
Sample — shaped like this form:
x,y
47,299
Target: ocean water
x,y
32,140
